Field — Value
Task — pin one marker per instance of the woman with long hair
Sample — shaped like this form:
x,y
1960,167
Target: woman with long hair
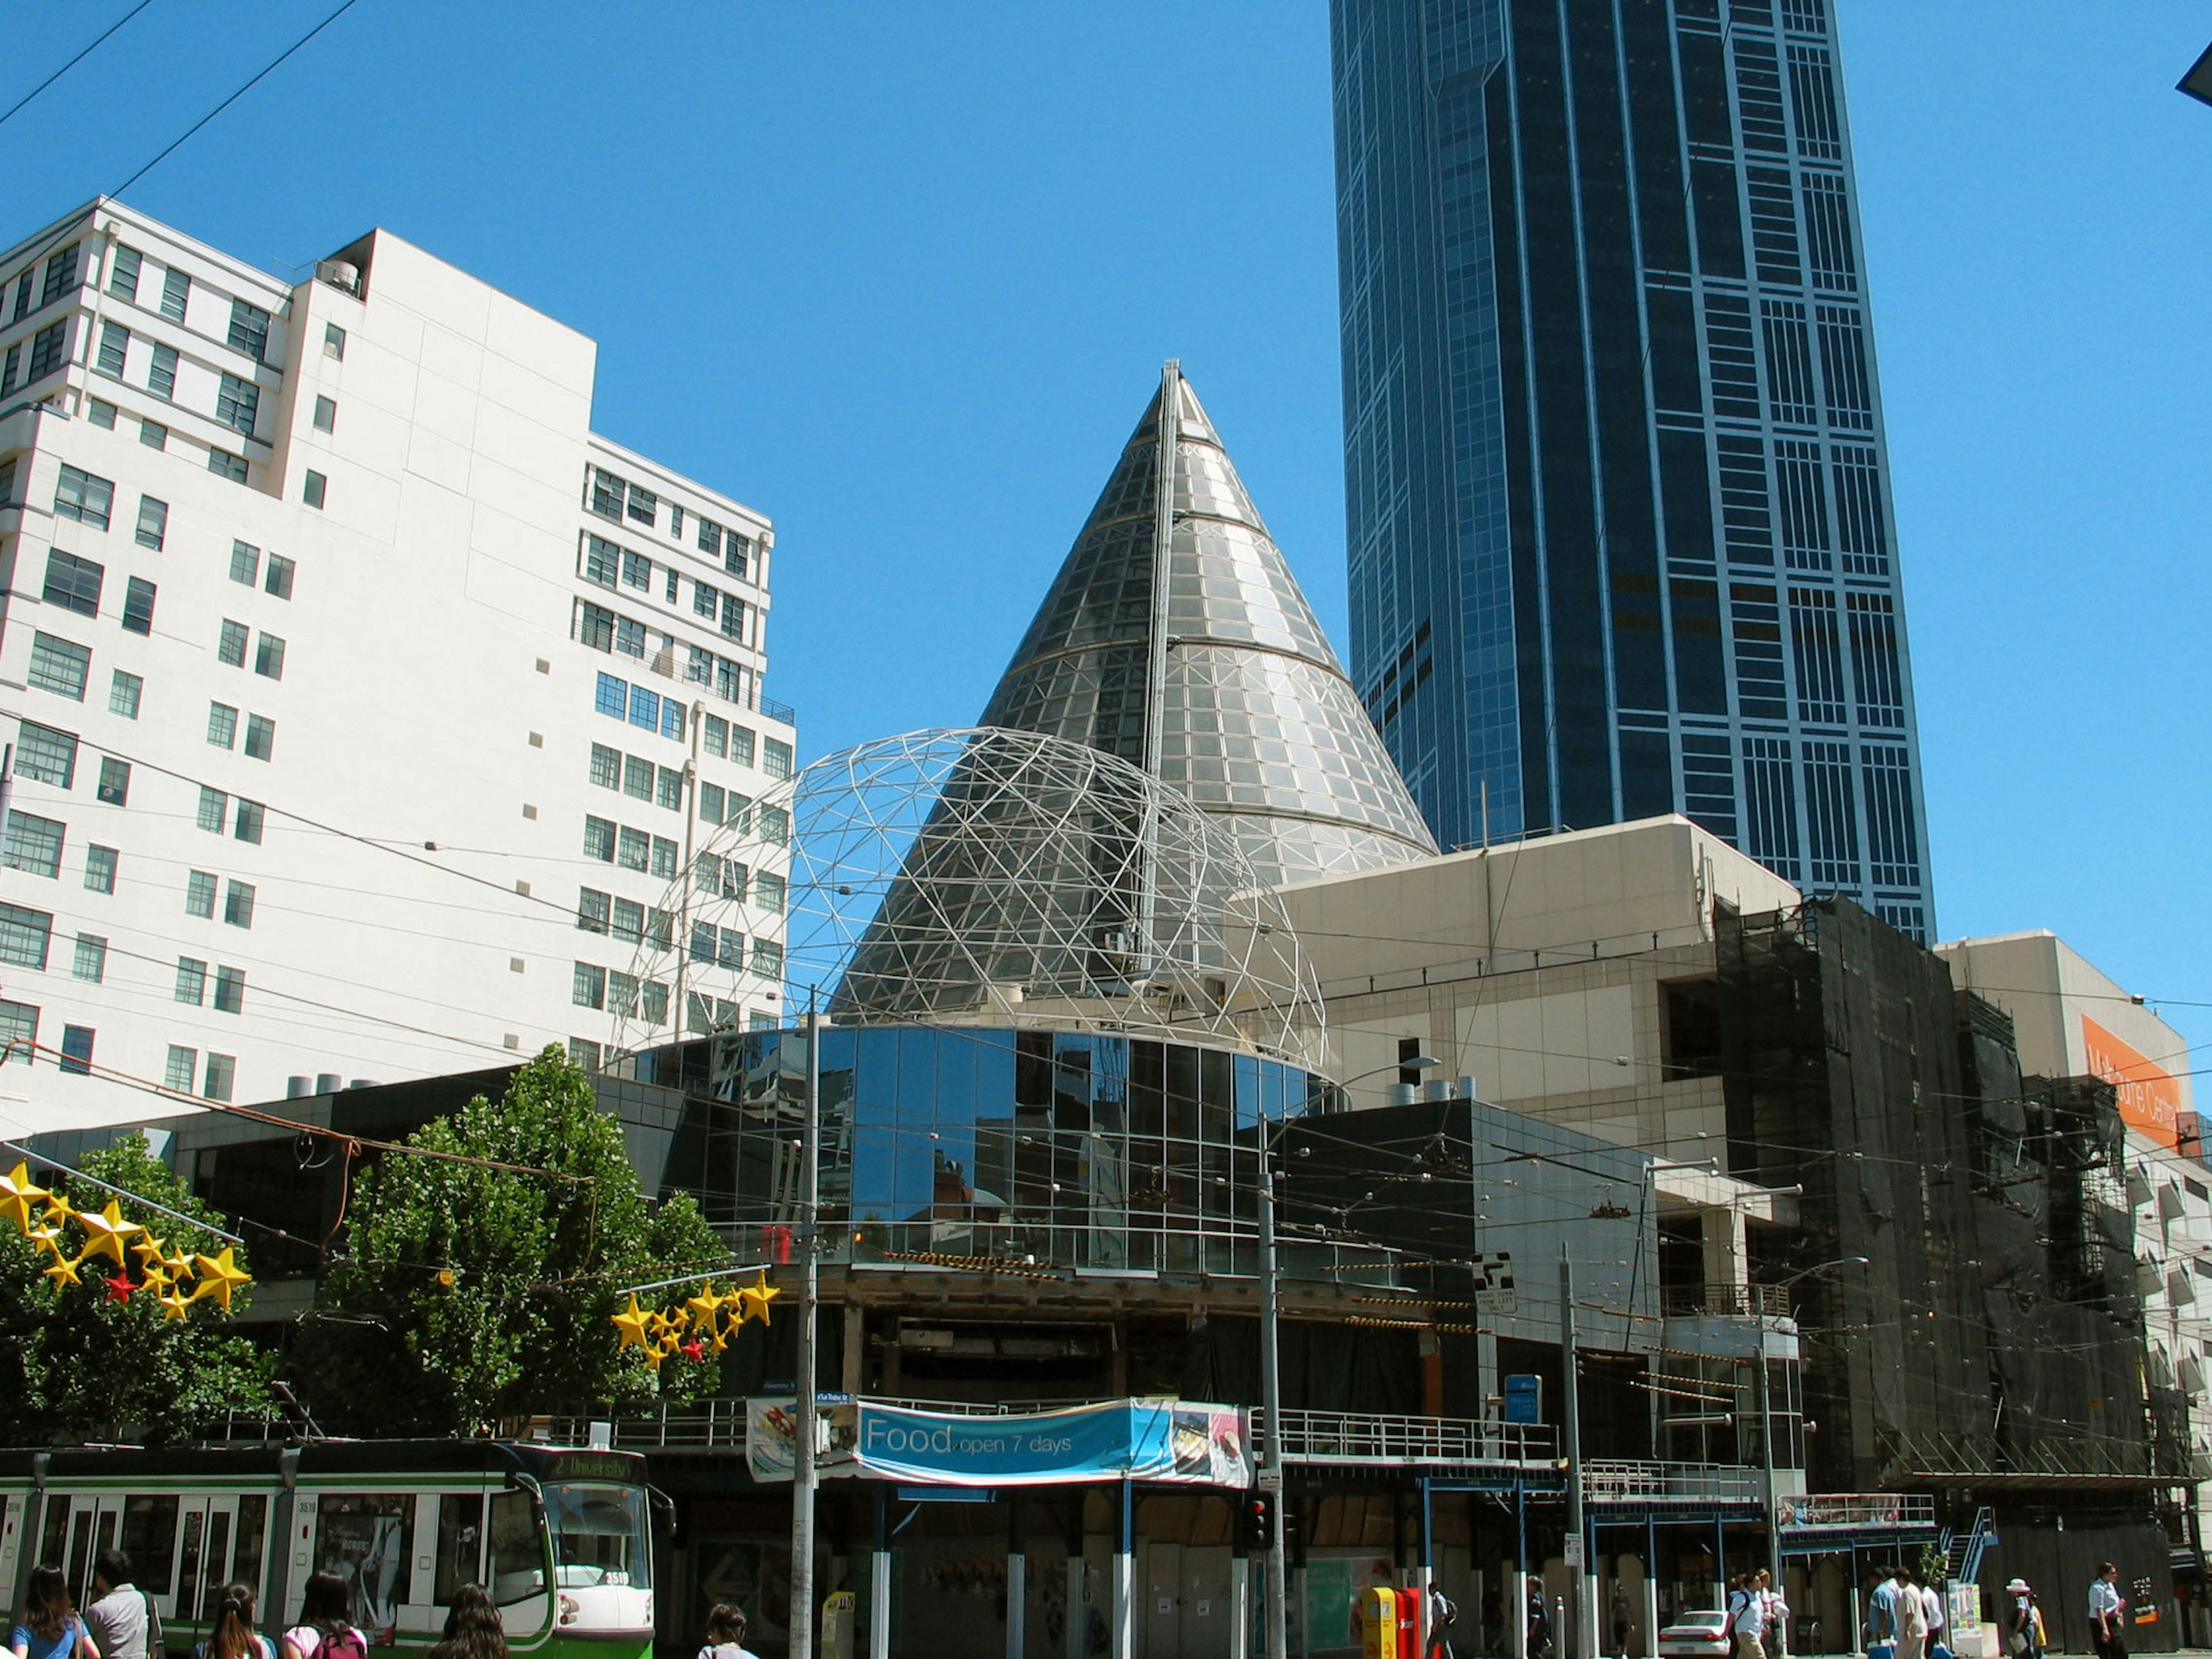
x,y
48,1627
233,1636
473,1630
323,1631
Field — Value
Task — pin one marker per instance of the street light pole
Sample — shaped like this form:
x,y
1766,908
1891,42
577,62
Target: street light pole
x,y
1585,1604
1760,1381
802,1474
1277,1626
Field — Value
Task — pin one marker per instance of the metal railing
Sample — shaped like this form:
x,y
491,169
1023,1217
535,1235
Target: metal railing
x,y
1627,1482
778,711
1724,1302
1373,1437
1856,1508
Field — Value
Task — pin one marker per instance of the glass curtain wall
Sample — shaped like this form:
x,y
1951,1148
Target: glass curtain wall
x,y
1065,1149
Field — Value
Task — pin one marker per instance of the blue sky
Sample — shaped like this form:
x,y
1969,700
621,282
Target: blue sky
x,y
901,277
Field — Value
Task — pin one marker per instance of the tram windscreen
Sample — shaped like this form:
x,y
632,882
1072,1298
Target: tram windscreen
x,y
599,1536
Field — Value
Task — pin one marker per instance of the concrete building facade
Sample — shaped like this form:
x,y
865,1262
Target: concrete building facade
x,y
364,701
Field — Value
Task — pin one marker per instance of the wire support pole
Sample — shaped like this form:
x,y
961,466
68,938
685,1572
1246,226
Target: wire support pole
x,y
1277,1626
1583,1610
802,1476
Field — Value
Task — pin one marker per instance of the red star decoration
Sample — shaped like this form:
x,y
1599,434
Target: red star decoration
x,y
119,1288
693,1350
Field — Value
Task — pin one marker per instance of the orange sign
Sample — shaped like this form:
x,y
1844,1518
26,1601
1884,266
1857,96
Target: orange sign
x,y
2150,1099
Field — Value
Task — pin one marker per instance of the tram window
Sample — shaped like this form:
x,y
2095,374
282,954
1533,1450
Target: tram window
x,y
460,1544
599,1536
149,1538
246,1555
518,1557
188,1564
212,1576
364,1538
56,1533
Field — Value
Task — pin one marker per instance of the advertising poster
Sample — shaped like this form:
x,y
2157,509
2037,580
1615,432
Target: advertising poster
x,y
1156,1440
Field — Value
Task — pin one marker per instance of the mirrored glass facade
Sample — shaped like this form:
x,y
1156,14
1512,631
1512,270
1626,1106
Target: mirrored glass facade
x,y
1071,1149
1620,535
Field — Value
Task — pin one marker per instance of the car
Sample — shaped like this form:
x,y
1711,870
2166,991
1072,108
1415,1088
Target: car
x,y
1696,1636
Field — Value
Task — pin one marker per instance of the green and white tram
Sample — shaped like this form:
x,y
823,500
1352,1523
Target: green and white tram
x,y
563,1538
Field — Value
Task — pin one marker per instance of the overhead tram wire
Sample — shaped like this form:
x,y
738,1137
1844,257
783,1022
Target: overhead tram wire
x,y
162,1091
382,845
177,143
86,52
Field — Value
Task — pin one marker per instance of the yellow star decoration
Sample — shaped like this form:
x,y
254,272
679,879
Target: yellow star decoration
x,y
756,1296
104,1230
41,1216
708,1319
219,1277
18,1192
630,1323
704,1306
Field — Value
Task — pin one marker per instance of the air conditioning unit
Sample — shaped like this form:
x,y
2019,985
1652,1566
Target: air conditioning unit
x,y
340,275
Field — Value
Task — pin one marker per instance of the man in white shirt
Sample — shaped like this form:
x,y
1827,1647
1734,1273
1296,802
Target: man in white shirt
x,y
1749,1609
121,1618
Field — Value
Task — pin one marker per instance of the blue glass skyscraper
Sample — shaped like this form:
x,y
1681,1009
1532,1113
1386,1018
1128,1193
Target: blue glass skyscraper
x,y
1619,527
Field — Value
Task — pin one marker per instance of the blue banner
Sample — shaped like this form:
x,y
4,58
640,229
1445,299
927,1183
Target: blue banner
x,y
1153,1440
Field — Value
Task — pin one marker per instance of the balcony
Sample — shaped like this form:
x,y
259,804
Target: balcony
x,y
1725,1301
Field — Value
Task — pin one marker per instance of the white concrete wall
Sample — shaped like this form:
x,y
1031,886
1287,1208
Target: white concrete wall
x,y
416,888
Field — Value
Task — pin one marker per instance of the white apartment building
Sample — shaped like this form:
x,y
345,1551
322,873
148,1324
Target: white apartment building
x,y
366,705
2071,1019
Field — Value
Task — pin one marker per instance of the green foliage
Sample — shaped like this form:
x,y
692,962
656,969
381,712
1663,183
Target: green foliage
x,y
77,1365
536,1263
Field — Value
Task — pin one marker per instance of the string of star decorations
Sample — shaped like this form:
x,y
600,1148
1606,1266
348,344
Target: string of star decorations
x,y
174,1279
699,1325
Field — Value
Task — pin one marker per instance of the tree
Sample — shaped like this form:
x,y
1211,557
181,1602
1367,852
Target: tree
x,y
467,1294
77,1363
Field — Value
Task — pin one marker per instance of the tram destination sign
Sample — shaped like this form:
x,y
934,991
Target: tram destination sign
x,y
1169,1441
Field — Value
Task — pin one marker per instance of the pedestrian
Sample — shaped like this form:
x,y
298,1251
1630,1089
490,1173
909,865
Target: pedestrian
x,y
48,1627
1931,1602
1493,1621
1620,1619
2023,1621
323,1631
1443,1614
1746,1609
1911,1616
473,1628
725,1634
233,1636
1881,1613
2107,1630
122,1618
1777,1620
1539,1621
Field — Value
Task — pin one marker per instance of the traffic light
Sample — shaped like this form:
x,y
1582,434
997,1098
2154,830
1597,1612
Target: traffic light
x,y
1260,1521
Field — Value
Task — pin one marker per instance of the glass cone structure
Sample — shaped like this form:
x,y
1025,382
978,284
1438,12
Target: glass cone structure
x,y
1175,637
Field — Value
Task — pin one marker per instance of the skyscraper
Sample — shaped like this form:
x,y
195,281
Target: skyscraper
x,y
1619,528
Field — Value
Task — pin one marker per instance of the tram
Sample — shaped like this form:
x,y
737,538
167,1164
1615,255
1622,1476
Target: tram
x,y
561,1538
